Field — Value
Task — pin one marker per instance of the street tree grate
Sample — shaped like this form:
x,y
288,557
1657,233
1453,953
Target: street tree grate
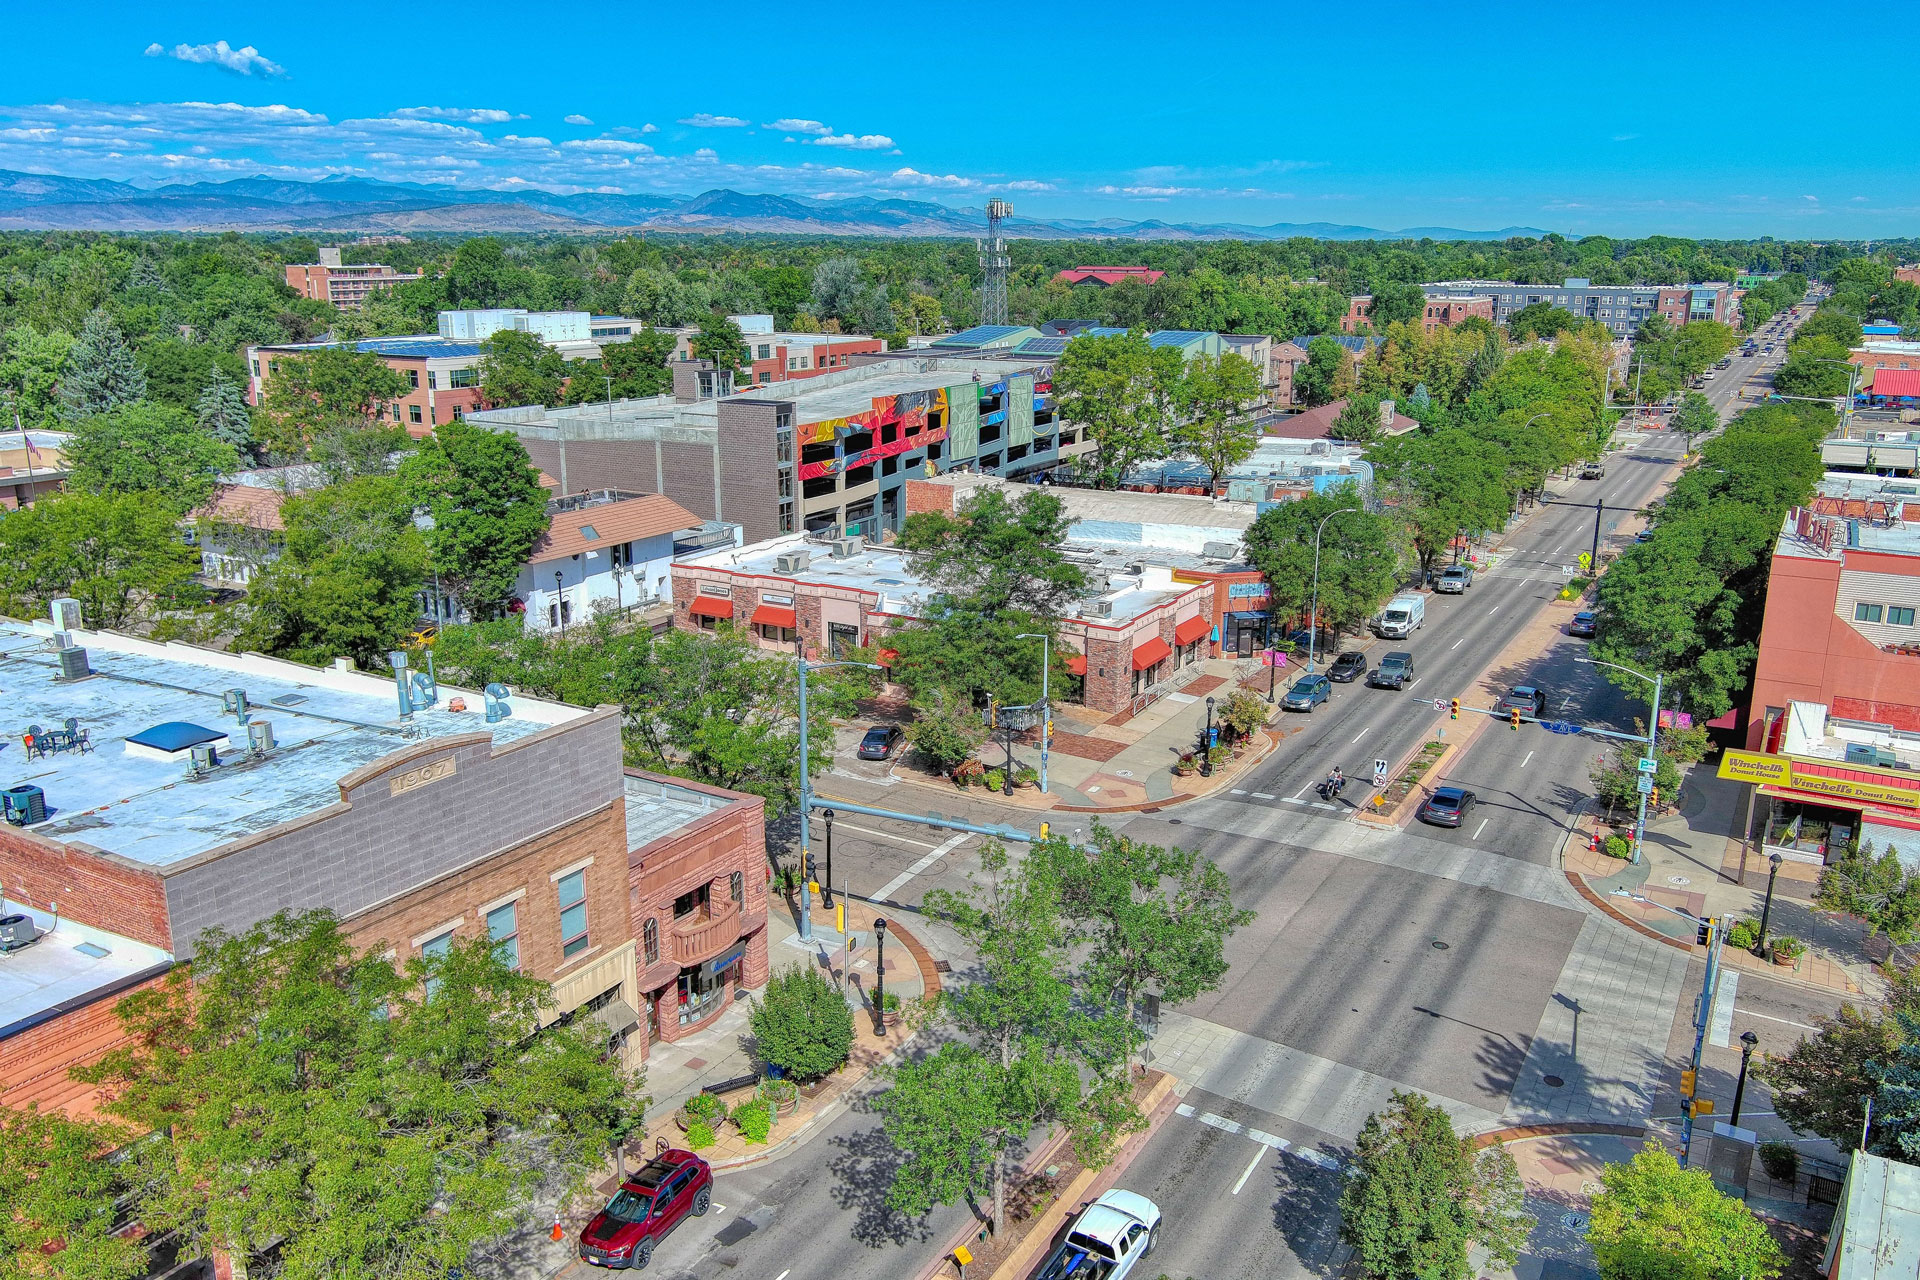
x,y
941,966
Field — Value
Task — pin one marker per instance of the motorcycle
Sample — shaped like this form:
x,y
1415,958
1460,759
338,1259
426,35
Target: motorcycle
x,y
1331,787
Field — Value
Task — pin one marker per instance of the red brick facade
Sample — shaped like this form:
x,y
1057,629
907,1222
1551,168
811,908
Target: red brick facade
x,y
93,888
1356,317
34,1070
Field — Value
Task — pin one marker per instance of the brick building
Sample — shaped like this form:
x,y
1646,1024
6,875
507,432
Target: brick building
x,y
768,356
33,464
1445,310
346,286
222,788
442,376
1107,277
1356,317
1621,308
1893,354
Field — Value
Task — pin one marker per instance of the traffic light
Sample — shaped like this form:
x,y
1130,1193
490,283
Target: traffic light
x,y
1703,936
1049,730
1687,1078
806,869
1513,718
1455,713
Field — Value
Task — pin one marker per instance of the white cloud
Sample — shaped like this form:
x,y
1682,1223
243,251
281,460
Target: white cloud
x,y
1814,199
420,128
465,115
649,128
706,153
915,178
789,125
1024,184
245,61
576,119
865,142
702,120
620,145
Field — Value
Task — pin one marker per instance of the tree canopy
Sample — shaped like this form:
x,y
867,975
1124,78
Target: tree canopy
x,y
149,449
517,367
1359,562
998,552
119,554
1657,1221
487,506
1124,393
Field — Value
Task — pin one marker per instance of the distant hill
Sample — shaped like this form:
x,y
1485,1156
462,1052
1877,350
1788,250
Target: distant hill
x,y
34,201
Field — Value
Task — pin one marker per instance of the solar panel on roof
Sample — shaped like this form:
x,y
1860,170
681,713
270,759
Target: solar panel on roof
x,y
588,532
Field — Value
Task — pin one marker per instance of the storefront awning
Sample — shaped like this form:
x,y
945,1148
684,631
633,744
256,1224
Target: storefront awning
x,y
1192,629
768,615
1155,650
617,1016
725,958
712,607
1077,663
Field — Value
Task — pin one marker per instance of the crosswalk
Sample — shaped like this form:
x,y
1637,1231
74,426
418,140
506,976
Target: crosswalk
x,y
1312,1155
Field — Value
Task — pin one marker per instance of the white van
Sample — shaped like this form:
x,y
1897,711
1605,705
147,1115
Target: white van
x,y
1402,616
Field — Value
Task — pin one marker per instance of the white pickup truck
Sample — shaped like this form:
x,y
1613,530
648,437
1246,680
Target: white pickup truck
x,y
1107,1241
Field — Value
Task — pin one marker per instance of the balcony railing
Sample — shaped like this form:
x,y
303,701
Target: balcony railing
x,y
701,937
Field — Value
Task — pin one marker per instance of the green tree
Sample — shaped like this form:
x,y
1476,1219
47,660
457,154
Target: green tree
x,y
346,581
32,363
1326,374
177,370
719,341
802,1024
638,368
1695,417
60,1190
1814,370
487,505
956,1114
310,394
1396,304
1540,320
518,368
1820,1085
998,553
120,555
1359,420
101,372
1657,1221
1122,392
309,1098
149,449
1155,920
1213,398
1879,890
1419,1198
1444,485
1359,557
221,412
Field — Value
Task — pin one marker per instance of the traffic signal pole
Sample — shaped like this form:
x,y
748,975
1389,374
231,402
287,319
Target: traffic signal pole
x,y
1701,1015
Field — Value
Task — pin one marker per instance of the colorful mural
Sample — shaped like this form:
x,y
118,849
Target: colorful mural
x,y
1020,410
909,412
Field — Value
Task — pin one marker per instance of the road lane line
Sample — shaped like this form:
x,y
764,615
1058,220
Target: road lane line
x,y
1770,1018
1259,1154
1527,761
1360,735
1456,644
1493,611
892,886
887,835
1482,827
1302,791
784,1274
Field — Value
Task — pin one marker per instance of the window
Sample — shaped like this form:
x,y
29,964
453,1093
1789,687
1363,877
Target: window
x,y
413,413
737,890
650,940
573,913
1897,616
433,380
691,901
413,379
766,351
436,949
503,927
256,368
1866,613
460,379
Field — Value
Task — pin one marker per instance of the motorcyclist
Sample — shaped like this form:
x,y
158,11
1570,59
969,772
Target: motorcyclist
x,y
1335,781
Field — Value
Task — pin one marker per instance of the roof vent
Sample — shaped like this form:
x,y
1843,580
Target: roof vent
x,y
1219,550
498,708
205,759
260,737
73,665
234,702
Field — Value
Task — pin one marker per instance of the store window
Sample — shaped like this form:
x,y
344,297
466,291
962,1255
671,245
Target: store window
x,y
503,928
432,950
573,913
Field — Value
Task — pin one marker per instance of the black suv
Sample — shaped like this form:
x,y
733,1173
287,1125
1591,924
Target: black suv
x,y
1348,667
1394,672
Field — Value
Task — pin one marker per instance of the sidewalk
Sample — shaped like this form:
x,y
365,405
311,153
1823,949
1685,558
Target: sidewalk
x,y
1691,861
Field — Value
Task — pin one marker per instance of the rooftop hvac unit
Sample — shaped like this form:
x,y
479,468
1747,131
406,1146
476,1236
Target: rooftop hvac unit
x,y
1219,550
73,664
24,805
845,547
62,640
66,614
1097,609
234,702
1098,580
792,562
16,931
205,759
260,737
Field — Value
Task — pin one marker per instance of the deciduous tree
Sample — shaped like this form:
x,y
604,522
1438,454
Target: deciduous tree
x,y
487,505
1444,485
1123,392
802,1024
1657,1221
61,1190
1821,1084
32,362
1213,399
719,341
519,368
1326,376
1359,559
149,449
309,394
998,553
120,555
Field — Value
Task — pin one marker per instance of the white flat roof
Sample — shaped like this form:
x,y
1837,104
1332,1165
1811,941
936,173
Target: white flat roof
x,y
70,962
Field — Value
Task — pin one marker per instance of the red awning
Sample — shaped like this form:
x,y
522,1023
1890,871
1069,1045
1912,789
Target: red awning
x,y
887,657
1077,663
712,607
1896,382
1192,629
1731,720
772,616
1155,650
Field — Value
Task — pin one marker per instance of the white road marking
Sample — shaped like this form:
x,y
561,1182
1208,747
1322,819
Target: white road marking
x,y
719,1208
892,886
1259,1154
1360,735
1302,791
1313,1155
1184,1109
1318,805
886,835
1238,791
1527,761
1482,827
1720,1027
1291,800
1493,611
1770,1018
784,1274
1261,795
1416,680
1456,644
1220,1122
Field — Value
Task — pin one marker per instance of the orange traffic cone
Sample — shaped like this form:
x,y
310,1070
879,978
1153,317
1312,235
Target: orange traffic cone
x,y
558,1231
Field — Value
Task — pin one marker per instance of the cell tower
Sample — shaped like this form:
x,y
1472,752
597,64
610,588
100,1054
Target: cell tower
x,y
993,265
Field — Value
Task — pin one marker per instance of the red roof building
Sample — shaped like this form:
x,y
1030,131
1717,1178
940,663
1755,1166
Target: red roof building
x,y
1107,277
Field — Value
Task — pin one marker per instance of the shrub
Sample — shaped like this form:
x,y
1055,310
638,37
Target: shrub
x,y
1743,934
1220,755
968,772
1026,776
946,736
1789,946
778,1092
1618,847
755,1120
996,780
707,1107
699,1135
803,1025
1780,1160
1244,713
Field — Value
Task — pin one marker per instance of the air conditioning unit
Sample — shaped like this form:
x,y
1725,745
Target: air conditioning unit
x,y
16,931
205,759
73,664
845,547
791,562
1097,609
1098,580
66,614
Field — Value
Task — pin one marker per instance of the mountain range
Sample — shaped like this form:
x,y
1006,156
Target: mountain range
x,y
38,201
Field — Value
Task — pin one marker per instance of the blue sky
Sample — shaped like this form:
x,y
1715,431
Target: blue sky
x,y
1626,119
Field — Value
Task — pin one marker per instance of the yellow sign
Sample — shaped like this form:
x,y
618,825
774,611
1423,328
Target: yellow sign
x,y
961,1256
1879,786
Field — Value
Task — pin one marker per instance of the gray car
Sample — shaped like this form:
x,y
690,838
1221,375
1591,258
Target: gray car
x,y
1394,672
1454,579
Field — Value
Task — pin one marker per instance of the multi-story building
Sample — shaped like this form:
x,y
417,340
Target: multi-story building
x,y
1356,317
176,789
602,550
345,286
1621,308
1445,310
1287,358
442,375
768,356
1886,354
33,464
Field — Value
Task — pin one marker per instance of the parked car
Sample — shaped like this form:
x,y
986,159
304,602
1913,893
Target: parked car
x,y
649,1204
1454,579
1307,693
1583,624
1394,672
1106,1241
880,741
1348,667
1525,699
1446,807
1645,535
1401,618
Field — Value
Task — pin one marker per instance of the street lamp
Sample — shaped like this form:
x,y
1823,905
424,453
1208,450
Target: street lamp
x,y
559,602
1273,666
1046,707
826,886
806,780
1653,731
1313,619
1748,1043
880,977
1206,761
1766,910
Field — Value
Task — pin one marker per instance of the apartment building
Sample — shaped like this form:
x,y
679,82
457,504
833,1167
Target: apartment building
x,y
442,375
1621,308
345,286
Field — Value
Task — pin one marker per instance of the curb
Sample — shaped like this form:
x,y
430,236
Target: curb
x,y
1528,1132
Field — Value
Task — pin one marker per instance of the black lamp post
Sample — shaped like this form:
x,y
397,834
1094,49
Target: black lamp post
x,y
559,601
1273,667
1766,911
1006,776
826,886
1748,1042
880,976
1206,761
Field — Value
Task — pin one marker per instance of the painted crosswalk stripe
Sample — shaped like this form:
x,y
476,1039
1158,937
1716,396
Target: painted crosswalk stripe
x,y
1313,1155
1238,791
1184,1109
892,886
1318,805
1291,800
1268,1139
1262,795
1220,1122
